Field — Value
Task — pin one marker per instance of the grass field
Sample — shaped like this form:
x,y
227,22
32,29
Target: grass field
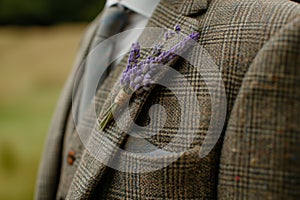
x,y
34,63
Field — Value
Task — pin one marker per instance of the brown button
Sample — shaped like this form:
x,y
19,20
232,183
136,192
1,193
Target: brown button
x,y
70,160
71,157
71,153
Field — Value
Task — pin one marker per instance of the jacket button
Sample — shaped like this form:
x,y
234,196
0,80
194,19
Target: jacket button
x,y
71,157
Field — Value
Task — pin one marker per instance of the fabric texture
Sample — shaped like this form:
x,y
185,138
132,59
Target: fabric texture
x,y
255,46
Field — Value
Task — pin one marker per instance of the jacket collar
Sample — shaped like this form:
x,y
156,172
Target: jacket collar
x,y
189,7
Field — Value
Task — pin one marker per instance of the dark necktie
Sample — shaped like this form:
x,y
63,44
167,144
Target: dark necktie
x,y
111,23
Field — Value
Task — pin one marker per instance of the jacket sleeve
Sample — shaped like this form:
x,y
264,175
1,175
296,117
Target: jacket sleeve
x,y
260,157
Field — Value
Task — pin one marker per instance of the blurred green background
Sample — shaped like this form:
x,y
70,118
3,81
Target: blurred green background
x,y
38,44
44,12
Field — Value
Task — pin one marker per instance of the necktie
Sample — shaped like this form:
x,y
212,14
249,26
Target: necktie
x,y
112,22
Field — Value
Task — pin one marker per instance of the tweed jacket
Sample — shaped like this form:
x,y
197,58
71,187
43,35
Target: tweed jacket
x,y
255,45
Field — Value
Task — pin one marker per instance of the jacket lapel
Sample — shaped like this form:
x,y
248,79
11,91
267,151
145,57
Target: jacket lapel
x,y
105,144
61,125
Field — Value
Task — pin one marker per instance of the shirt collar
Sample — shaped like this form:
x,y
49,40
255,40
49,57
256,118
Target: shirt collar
x,y
143,7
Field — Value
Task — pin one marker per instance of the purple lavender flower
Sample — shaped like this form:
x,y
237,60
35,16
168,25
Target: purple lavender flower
x,y
166,35
140,75
177,28
134,53
169,34
156,50
131,63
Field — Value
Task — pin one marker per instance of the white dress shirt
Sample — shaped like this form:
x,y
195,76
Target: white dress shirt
x,y
142,7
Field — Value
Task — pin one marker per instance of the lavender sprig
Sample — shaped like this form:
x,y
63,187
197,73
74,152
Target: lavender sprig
x,y
141,75
138,76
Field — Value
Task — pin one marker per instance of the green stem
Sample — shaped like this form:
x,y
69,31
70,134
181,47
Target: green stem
x,y
109,116
112,112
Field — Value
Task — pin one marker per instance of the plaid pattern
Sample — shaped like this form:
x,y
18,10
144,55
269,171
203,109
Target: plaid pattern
x,y
255,45
260,156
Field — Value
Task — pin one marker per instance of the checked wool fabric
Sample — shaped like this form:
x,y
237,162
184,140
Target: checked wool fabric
x,y
255,46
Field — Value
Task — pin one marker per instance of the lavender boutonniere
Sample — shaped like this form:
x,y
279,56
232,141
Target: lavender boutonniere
x,y
138,76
